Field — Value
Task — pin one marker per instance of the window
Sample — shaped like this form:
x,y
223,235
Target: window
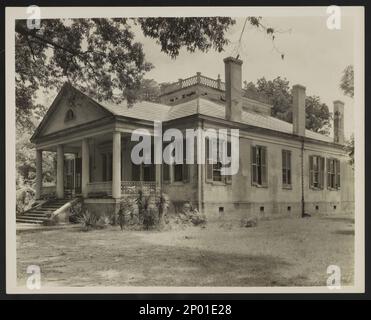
x,y
107,166
91,167
316,169
166,172
259,165
286,169
69,115
109,169
104,166
181,170
333,174
213,170
135,172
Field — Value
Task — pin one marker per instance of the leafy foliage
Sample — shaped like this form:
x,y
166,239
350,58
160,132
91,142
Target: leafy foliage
x,y
347,81
149,91
201,33
349,148
88,220
318,117
278,93
347,86
100,56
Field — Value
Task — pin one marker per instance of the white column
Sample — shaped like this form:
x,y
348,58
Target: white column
x,y
158,178
85,167
39,173
60,172
116,165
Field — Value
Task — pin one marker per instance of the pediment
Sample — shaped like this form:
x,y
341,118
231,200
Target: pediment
x,y
70,108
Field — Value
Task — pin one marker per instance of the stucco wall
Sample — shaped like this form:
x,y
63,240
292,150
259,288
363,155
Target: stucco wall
x,y
243,199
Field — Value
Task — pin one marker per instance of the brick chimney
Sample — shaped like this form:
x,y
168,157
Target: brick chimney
x,y
298,110
233,88
339,122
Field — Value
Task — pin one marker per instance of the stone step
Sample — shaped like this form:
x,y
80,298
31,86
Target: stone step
x,y
43,213
21,220
40,211
35,215
31,217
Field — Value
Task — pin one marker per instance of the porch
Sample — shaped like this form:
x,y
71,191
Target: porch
x,y
97,167
103,189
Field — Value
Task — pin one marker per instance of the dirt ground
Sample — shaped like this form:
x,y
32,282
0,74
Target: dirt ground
x,y
280,252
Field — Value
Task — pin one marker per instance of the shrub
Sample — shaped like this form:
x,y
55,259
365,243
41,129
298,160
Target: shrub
x,y
127,214
75,213
24,198
88,220
143,211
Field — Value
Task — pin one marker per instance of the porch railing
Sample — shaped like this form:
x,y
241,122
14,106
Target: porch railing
x,y
100,187
133,187
48,190
127,187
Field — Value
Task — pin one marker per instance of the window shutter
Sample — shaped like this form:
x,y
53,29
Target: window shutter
x,y
328,164
321,168
253,165
288,162
311,173
264,166
209,166
284,176
337,173
229,152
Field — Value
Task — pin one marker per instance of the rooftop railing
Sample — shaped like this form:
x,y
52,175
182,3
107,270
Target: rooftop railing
x,y
191,81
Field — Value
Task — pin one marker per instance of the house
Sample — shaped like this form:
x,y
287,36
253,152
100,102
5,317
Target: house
x,y
284,169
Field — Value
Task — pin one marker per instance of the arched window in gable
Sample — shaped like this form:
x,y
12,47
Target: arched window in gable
x,y
70,115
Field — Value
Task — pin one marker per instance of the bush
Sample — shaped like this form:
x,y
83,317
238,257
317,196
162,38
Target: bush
x,y
24,198
90,221
75,213
143,212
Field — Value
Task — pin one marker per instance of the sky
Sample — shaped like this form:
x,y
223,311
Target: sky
x,y
314,57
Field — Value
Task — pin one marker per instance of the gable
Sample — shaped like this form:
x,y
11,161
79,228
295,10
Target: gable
x,y
70,108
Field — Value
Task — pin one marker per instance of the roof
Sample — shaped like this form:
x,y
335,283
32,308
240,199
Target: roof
x,y
155,111
143,110
150,111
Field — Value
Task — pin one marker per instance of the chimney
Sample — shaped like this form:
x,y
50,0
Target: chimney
x,y
298,110
339,122
233,88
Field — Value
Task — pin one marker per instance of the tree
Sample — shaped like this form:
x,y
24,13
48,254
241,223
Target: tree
x,y
100,56
347,86
318,116
149,91
278,93
347,81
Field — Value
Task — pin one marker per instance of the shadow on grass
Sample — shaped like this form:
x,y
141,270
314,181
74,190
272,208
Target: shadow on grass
x,y
140,264
340,219
345,232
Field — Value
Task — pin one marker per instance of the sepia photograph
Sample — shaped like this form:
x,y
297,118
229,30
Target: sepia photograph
x,y
201,150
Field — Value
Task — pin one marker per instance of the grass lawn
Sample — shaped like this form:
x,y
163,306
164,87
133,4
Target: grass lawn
x,y
280,252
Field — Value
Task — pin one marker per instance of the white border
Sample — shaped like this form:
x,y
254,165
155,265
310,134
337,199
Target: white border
x,y
12,13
